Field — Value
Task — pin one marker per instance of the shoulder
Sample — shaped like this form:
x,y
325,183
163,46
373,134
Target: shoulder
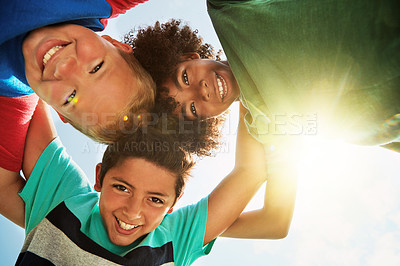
x,y
121,6
189,213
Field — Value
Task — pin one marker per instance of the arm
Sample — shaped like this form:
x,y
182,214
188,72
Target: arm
x,y
40,133
231,196
273,220
11,205
16,113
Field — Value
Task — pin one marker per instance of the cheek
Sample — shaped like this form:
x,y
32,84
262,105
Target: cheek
x,y
156,216
32,76
89,47
108,203
28,45
212,110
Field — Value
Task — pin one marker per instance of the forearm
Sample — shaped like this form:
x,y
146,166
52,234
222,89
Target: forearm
x,y
273,220
232,195
11,204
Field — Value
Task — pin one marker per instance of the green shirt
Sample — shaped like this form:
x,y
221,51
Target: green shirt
x,y
327,68
63,223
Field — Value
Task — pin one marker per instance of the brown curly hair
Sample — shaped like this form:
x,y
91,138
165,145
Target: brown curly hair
x,y
159,49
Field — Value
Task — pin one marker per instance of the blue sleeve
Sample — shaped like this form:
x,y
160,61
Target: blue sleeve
x,y
54,178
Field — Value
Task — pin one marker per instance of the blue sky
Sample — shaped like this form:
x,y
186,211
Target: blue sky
x,y
347,209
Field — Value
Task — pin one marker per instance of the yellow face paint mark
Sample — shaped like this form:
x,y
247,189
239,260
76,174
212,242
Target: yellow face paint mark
x,y
72,99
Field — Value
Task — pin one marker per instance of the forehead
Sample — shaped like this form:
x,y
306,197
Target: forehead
x,y
101,101
143,174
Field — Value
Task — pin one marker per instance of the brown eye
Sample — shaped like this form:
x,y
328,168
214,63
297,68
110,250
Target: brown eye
x,y
156,200
193,109
96,68
121,188
185,77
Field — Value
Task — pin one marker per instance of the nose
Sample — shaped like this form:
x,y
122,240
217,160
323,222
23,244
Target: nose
x,y
65,68
204,91
133,209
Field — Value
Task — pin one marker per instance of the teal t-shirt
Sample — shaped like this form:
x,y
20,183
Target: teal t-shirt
x,y
63,223
305,67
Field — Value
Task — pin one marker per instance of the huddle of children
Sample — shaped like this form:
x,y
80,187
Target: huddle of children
x,y
163,77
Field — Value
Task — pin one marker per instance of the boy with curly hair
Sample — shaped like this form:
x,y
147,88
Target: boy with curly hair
x,y
159,49
334,62
296,75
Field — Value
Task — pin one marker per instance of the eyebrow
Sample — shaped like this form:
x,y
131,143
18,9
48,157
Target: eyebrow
x,y
119,179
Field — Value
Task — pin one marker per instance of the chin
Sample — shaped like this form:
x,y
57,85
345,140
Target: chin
x,y
122,242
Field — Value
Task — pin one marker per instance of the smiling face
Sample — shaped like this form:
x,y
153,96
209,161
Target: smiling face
x,y
204,88
135,197
79,73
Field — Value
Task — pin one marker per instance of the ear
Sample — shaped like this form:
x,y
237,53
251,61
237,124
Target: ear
x,y
123,46
190,56
172,208
97,185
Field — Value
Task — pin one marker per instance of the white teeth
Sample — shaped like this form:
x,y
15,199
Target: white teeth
x,y
126,226
50,53
221,86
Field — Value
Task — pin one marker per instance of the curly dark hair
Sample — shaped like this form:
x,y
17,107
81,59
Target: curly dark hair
x,y
159,49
